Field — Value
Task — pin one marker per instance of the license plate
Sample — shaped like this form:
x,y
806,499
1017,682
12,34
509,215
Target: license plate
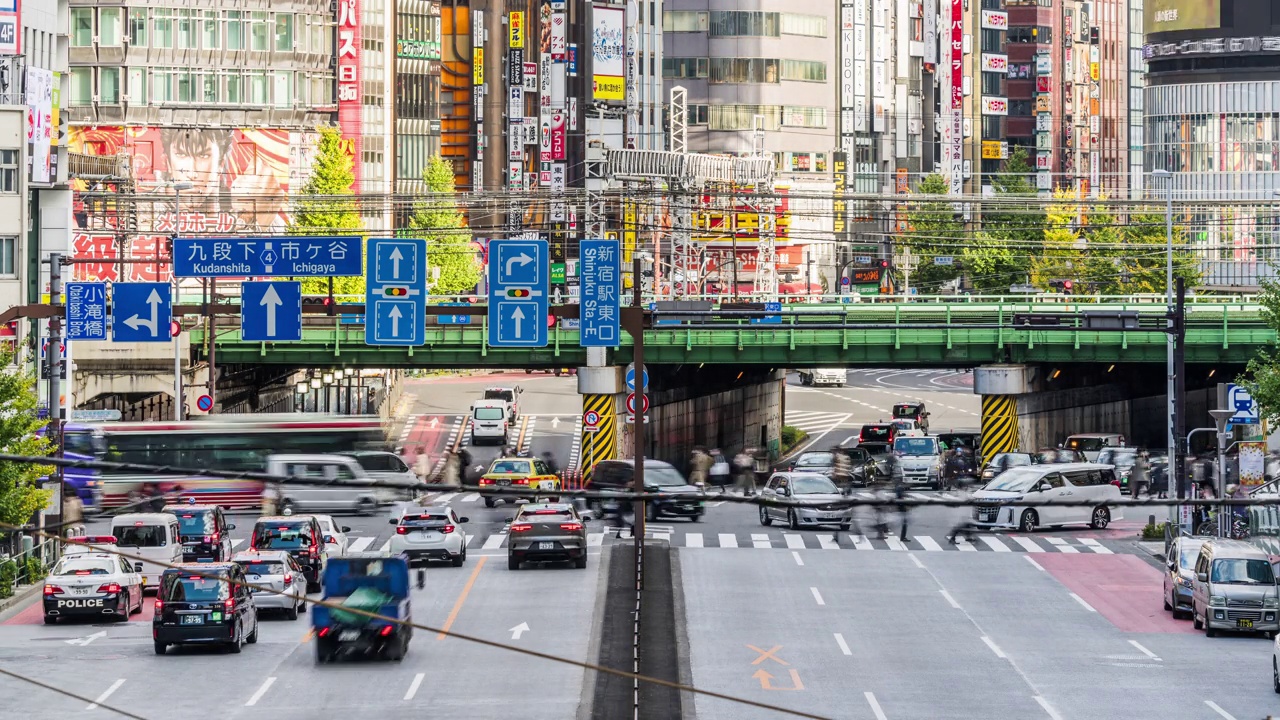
x,y
546,545
192,619
348,635
504,482
830,516
79,591
1244,623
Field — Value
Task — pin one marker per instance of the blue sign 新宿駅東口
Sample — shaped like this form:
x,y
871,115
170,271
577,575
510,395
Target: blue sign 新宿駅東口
x,y
600,277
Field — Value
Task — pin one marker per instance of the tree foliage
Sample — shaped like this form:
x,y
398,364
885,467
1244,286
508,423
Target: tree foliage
x,y
20,492
326,205
1013,232
1263,375
1061,255
936,230
450,252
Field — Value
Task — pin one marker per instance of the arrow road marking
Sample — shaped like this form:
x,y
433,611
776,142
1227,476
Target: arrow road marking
x,y
555,422
518,316
519,630
87,639
522,259
154,301
271,300
435,422
766,680
396,257
395,320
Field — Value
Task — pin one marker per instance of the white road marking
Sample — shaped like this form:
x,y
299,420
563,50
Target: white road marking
x,y
1214,707
413,686
919,496
1096,546
796,555
1034,564
995,544
493,542
965,545
1053,714
952,601
693,539
1145,651
828,542
1083,604
861,542
895,544
795,542
595,539
1027,544
875,706
994,648
444,498
469,497
928,543
360,543
266,685
385,546
728,540
237,543
817,596
103,697
917,562
760,541
1062,545
844,647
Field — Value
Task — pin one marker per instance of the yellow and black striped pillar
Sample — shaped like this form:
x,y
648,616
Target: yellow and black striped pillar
x,y
600,444
999,424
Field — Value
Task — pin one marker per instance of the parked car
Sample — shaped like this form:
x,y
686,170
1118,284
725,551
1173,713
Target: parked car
x,y
1180,575
1048,486
1234,589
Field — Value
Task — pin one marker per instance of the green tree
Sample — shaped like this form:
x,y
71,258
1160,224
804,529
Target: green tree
x,y
450,253
1130,257
936,230
1061,256
20,492
1014,229
327,206
992,264
1263,374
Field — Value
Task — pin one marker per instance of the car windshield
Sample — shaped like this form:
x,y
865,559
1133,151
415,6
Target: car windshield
x,y
905,424
818,459
489,413
812,485
663,476
1238,571
262,567
195,523
958,440
1120,457
1187,558
904,411
141,536
1086,444
80,566
510,467
193,588
507,395
874,432
1015,480
1049,457
424,521
916,446
282,537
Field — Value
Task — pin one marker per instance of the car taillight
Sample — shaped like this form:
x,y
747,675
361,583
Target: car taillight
x,y
385,631
159,606
447,529
571,527
53,590
230,604
323,632
1116,483
486,481
521,527
109,588
520,481
211,538
402,530
288,580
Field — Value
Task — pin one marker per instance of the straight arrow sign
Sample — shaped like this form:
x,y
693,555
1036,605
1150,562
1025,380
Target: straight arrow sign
x,y
518,316
519,630
396,257
272,301
395,321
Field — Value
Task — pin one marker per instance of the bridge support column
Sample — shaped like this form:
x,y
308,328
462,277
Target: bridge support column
x,y
601,389
1000,386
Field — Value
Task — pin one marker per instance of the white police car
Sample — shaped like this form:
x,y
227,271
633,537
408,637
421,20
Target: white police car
x,y
91,584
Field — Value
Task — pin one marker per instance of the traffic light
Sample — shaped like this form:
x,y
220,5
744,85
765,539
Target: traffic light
x,y
1062,286
395,291
518,292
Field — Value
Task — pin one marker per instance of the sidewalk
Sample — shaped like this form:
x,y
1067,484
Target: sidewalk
x,y
21,594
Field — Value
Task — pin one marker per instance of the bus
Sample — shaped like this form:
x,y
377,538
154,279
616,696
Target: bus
x,y
223,442
81,441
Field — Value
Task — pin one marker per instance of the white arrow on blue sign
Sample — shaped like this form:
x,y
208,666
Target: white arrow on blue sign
x,y
519,283
271,311
141,312
396,292
631,378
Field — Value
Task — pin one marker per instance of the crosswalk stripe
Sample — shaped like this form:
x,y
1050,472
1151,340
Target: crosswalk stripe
x,y
794,542
444,497
895,544
928,543
1062,546
385,546
861,542
360,543
995,544
828,542
1096,546
236,543
693,539
965,545
1027,544
761,540
920,496
728,540
469,497
595,539
493,542
660,536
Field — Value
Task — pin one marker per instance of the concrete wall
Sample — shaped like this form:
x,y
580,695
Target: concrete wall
x,y
1047,418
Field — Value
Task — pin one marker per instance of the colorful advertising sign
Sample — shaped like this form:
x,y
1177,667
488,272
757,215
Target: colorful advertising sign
x,y
477,66
995,106
957,96
559,46
40,130
931,33
995,20
1169,15
995,62
515,28
608,53
350,108
994,150
559,132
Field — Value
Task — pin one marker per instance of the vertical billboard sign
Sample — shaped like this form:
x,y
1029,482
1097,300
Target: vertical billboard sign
x,y
558,135
956,151
40,132
559,23
608,53
860,65
10,20
350,111
839,169
847,59
477,71
515,28
931,34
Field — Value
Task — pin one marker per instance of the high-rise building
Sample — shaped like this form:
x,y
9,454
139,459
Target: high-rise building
x,y
417,91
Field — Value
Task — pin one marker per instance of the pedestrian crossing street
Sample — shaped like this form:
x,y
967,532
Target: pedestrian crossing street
x,y
776,539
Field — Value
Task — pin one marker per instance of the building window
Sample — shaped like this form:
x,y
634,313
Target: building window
x,y
805,117
109,27
212,34
209,87
234,88
684,21
741,23
7,244
992,83
161,85
283,81
993,41
1041,34
9,177
808,25
187,86
284,32
1020,108
162,29
258,31
81,85
235,30
81,27
697,114
187,32
742,117
319,39
804,70
109,85
685,67
137,87
744,70
138,27
992,127
258,93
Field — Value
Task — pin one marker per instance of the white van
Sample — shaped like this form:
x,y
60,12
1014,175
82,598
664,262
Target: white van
x,y
152,536
489,422
346,487
1047,486
1092,444
824,376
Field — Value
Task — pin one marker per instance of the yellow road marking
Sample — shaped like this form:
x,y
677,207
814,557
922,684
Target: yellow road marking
x,y
457,606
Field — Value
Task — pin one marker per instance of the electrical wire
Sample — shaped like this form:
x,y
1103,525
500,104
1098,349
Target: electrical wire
x,y
68,693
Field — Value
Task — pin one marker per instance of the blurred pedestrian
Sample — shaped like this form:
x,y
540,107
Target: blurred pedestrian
x,y
900,493
1140,474
452,473
842,469
72,512
966,527
720,473
699,465
743,466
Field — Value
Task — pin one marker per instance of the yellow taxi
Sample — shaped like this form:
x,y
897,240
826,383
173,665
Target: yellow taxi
x,y
519,473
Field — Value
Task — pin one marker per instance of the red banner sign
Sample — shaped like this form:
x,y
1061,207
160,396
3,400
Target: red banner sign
x,y
349,102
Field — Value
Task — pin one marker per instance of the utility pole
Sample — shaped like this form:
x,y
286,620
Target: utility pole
x,y
1178,452
55,375
637,336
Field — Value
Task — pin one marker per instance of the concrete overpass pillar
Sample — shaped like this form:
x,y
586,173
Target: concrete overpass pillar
x,y
1000,386
601,388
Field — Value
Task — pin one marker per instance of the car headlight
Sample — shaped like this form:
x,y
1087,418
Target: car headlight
x,y
1184,582
1270,602
1217,601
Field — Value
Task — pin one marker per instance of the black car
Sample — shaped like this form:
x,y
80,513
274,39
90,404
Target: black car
x,y
821,462
660,477
204,603
298,535
205,532
912,411
863,464
875,432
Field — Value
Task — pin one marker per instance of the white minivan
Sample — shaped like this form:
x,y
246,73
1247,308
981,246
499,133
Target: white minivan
x,y
1049,487
152,536
489,422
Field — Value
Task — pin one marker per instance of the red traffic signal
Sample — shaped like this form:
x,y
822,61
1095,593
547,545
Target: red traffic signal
x,y
175,328
1066,285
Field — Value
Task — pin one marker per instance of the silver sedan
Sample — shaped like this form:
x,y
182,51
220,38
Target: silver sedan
x,y
820,497
276,581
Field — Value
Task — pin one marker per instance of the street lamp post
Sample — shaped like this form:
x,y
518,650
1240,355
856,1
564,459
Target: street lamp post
x,y
300,397
1171,404
1222,419
328,385
315,394
178,187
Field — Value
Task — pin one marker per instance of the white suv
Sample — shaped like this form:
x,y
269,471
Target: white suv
x,y
430,533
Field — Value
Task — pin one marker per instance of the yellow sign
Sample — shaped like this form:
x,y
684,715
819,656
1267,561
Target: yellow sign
x,y
477,66
991,150
610,87
628,231
1093,71
515,26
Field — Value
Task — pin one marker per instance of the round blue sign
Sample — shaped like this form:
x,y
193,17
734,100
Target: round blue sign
x,y
845,281
205,403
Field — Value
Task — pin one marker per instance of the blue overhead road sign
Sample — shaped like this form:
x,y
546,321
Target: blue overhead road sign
x,y
271,311
519,280
600,270
454,319
86,311
287,256
770,307
141,312
396,292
